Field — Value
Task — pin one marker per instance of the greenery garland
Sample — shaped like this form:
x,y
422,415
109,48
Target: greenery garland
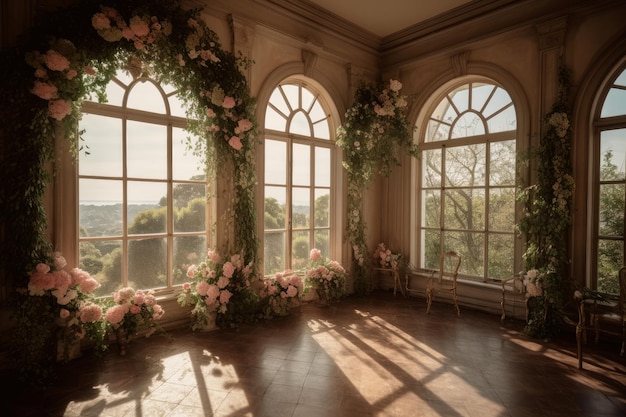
x,y
375,131
548,215
74,53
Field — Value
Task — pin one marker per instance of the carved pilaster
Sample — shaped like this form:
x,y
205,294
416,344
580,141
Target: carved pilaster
x,y
356,75
242,37
551,39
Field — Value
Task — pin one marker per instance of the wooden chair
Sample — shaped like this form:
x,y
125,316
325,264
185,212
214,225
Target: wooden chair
x,y
613,313
513,293
603,312
443,280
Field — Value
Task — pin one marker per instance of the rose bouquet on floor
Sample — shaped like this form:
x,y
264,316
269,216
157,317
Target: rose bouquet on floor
x,y
214,285
67,294
326,277
282,293
133,312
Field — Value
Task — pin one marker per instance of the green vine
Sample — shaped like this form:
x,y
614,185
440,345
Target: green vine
x,y
73,54
548,214
375,131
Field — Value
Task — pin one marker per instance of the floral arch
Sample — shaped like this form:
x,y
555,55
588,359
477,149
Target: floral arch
x,y
74,52
59,63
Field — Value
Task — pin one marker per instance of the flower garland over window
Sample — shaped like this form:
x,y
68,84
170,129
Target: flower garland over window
x,y
74,53
375,131
548,215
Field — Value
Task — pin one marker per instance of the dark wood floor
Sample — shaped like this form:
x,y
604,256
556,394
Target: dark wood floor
x,y
365,356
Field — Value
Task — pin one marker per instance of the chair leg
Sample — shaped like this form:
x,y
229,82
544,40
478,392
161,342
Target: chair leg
x,y
429,300
456,304
503,316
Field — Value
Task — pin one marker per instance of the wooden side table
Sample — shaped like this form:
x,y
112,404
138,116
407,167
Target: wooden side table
x,y
592,308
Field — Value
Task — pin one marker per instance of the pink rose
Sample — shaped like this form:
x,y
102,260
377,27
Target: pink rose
x,y
223,282
214,256
228,269
44,90
186,286
235,143
139,27
225,296
55,61
100,21
202,288
315,254
191,271
292,291
90,313
59,109
64,313
228,103
115,314
135,309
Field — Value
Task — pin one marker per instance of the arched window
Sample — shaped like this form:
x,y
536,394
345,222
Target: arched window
x,y
298,177
142,196
610,183
466,180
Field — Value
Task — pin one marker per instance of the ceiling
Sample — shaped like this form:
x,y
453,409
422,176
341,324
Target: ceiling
x,y
384,17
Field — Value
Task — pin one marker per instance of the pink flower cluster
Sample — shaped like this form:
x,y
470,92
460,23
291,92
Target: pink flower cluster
x,y
142,31
73,290
134,310
327,276
283,291
52,71
226,103
214,281
386,258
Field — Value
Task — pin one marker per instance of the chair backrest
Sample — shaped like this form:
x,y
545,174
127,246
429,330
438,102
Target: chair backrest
x,y
449,263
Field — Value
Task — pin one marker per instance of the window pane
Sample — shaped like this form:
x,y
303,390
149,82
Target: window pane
x,y
610,260
147,263
502,163
437,131
146,96
190,207
431,166
500,254
275,162
501,209
615,103
274,253
612,155
188,250
100,207
480,94
103,260
103,142
321,130
301,165
322,207
115,93
275,211
503,122
470,124
301,206
322,167
431,208
465,209
498,101
292,93
430,251
322,242
277,100
470,246
611,210
299,124
465,165
275,120
460,98
146,150
185,165
300,249
146,207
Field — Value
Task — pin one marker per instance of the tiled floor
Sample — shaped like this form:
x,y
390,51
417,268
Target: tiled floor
x,y
370,356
